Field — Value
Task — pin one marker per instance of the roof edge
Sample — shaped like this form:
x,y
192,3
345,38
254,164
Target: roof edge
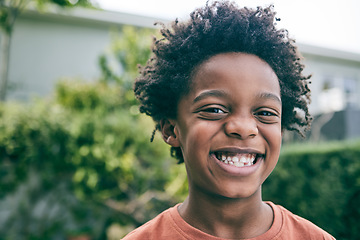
x,y
122,18
313,50
93,15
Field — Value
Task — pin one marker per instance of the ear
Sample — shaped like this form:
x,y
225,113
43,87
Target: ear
x,y
168,132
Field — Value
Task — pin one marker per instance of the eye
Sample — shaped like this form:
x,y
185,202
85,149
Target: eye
x,y
212,112
267,116
265,113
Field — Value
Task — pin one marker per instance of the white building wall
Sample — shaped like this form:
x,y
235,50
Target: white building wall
x,y
49,46
335,83
44,51
46,47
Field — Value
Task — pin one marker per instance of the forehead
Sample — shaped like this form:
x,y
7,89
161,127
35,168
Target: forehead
x,y
241,68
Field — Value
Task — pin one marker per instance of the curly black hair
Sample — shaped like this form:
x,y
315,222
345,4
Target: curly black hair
x,y
221,27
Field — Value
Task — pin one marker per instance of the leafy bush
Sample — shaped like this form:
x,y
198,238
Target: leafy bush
x,y
82,161
94,161
320,182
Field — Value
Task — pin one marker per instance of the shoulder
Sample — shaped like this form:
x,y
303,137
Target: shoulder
x,y
161,227
300,228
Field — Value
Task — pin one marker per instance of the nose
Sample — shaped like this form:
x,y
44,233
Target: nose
x,y
241,127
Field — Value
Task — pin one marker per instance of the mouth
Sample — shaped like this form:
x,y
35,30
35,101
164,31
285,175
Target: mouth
x,y
238,159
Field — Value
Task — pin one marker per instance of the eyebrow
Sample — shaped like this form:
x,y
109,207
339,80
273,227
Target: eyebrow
x,y
220,93
268,95
209,93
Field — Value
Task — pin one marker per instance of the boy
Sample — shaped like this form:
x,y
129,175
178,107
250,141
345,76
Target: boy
x,y
221,89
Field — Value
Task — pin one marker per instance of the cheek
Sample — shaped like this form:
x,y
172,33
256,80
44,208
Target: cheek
x,y
272,134
196,139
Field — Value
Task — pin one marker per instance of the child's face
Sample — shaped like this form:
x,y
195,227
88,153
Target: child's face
x,y
229,125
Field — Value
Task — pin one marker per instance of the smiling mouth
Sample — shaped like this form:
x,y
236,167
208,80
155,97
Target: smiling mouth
x,y
238,159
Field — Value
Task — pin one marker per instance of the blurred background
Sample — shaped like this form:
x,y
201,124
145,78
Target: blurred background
x,y
76,160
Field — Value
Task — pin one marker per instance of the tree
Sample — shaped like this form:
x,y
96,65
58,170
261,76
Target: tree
x,y
9,12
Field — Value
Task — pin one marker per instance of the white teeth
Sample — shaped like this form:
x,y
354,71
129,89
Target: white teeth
x,y
244,159
239,164
239,160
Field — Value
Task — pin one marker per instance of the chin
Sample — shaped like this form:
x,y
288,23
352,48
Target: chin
x,y
239,193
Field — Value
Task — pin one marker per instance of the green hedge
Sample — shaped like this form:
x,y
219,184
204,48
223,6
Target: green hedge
x,y
82,163
96,163
88,152
320,182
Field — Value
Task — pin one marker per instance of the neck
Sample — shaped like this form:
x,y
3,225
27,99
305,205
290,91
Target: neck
x,y
226,217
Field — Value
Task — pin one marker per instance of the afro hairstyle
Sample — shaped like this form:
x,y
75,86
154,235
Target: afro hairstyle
x,y
221,27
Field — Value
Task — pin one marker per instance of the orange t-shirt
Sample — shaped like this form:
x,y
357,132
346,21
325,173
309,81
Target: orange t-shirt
x,y
169,225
